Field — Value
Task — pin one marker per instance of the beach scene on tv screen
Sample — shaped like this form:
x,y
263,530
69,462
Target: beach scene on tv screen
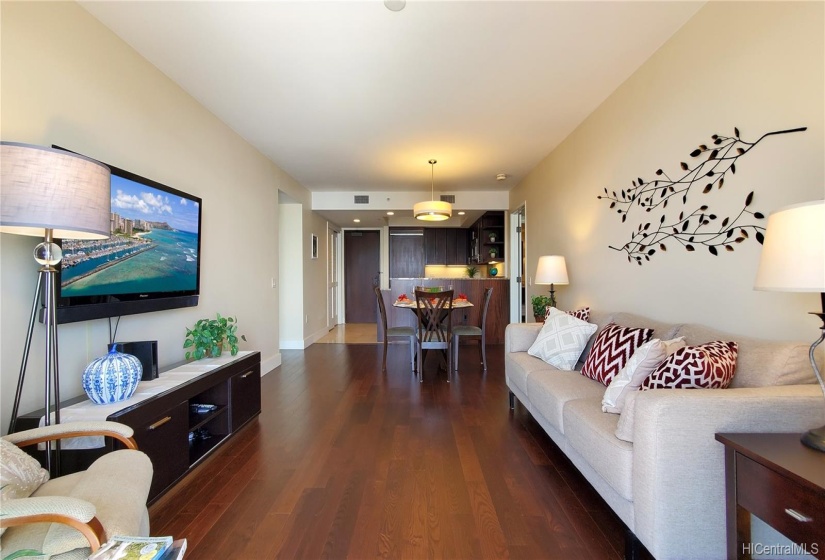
x,y
152,246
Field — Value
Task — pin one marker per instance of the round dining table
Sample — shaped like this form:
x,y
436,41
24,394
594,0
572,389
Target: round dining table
x,y
458,303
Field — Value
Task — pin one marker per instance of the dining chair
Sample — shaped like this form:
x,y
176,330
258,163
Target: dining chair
x,y
434,326
470,330
398,332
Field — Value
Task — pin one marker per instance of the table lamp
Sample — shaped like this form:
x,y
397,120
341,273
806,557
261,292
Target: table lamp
x,y
551,270
793,260
52,194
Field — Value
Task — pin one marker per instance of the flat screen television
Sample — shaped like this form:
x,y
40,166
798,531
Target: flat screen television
x,y
150,262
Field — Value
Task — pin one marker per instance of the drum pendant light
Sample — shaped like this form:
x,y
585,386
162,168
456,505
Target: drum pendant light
x,y
433,210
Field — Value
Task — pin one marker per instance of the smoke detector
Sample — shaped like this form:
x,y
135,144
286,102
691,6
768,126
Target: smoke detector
x,y
501,176
395,5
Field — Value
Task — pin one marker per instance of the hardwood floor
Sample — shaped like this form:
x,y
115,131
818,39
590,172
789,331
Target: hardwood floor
x,y
347,462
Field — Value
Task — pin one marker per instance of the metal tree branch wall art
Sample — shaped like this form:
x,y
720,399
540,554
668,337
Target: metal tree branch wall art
x,y
699,227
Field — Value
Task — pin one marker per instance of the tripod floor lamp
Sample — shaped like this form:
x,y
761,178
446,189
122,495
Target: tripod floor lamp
x,y
51,194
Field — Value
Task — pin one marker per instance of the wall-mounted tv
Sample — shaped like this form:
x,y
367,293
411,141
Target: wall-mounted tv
x,y
150,262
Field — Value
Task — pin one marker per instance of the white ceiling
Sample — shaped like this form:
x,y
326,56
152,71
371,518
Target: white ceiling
x,y
350,96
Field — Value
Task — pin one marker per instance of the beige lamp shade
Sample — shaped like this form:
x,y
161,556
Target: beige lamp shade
x,y
793,254
433,210
551,270
43,188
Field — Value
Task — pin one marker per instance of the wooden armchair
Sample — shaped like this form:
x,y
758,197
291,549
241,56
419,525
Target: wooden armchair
x,y
71,516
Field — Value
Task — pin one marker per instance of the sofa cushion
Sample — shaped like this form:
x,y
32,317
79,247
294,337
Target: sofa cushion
x,y
641,364
613,347
707,366
550,390
761,363
591,433
519,367
561,340
661,330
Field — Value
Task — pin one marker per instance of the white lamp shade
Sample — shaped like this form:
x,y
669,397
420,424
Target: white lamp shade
x,y
433,210
43,188
551,270
793,254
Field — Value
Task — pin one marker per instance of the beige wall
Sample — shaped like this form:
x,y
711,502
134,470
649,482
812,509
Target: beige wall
x,y
68,80
757,66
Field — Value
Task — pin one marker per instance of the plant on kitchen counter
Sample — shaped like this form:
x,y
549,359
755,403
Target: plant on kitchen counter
x,y
472,271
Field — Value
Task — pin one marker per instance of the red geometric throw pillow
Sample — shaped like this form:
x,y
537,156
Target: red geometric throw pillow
x,y
707,366
612,349
583,313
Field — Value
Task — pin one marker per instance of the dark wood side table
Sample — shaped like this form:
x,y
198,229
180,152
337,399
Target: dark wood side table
x,y
779,480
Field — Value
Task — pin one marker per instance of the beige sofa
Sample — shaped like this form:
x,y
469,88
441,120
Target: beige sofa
x,y
665,478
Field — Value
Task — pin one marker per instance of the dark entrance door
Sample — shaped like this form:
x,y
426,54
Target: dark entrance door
x,y
362,262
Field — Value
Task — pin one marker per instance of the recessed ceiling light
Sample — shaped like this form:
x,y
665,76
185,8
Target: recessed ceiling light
x,y
390,213
461,213
357,221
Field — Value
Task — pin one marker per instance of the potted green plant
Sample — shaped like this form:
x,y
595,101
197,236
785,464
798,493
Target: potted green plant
x,y
210,337
472,271
540,304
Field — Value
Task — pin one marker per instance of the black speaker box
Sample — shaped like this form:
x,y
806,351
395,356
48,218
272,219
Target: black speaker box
x,y
146,351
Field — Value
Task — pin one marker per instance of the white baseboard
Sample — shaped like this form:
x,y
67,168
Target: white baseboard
x,y
315,337
270,364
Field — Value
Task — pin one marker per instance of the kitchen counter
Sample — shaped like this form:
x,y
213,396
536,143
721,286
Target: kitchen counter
x,y
454,279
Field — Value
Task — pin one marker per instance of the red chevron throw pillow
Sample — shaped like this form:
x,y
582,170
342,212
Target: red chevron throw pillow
x,y
613,347
708,366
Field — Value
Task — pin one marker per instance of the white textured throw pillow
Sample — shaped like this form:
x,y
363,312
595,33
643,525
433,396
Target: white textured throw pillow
x,y
562,339
20,473
641,364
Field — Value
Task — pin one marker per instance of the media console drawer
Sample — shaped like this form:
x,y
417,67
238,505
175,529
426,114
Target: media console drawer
x,y
163,437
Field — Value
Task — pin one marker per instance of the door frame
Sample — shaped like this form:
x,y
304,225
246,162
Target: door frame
x,y
336,246
343,283
517,276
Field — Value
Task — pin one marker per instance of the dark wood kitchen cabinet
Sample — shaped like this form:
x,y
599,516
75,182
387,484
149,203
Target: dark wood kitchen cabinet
x,y
435,246
457,246
406,252
445,246
489,237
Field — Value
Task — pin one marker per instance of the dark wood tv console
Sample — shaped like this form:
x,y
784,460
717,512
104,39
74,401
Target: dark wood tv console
x,y
163,423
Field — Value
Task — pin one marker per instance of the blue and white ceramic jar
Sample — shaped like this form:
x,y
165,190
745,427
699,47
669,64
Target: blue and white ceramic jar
x,y
112,378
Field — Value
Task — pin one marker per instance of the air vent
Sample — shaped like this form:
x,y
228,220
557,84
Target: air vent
x,y
448,198
362,199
